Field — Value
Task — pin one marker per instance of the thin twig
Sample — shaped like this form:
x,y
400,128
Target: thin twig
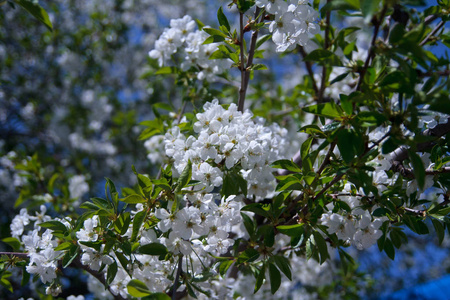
x,y
325,46
372,48
432,33
16,254
400,154
245,72
100,276
430,19
443,73
177,277
309,69
326,159
242,91
329,184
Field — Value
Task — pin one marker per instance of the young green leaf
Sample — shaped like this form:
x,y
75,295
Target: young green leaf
x,y
137,288
223,19
275,278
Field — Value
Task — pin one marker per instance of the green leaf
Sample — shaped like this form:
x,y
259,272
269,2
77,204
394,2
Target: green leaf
x,y
213,31
137,288
396,34
249,224
369,8
306,146
260,278
5,282
324,56
167,70
111,273
261,40
224,266
133,199
291,230
313,130
350,144
257,208
13,242
214,39
418,168
25,276
137,224
153,249
329,110
185,177
248,255
157,296
70,256
346,259
223,19
54,225
371,118
339,78
388,146
275,278
389,249
63,246
233,184
290,183
268,235
286,164
283,264
37,11
322,245
244,5
440,229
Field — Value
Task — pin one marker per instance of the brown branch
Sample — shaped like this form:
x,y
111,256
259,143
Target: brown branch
x,y
16,254
443,73
326,159
329,184
432,33
430,19
401,153
409,173
244,67
372,48
100,276
177,277
325,46
309,69
243,89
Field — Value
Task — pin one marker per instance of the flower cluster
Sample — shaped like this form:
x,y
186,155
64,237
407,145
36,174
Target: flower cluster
x,y
39,246
357,226
294,22
181,38
228,139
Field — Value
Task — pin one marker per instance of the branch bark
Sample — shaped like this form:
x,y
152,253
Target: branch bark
x,y
400,154
372,48
245,73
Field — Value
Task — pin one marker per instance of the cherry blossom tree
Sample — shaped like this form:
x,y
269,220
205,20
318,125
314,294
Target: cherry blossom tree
x,y
255,185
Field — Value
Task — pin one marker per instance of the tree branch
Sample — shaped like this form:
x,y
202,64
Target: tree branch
x,y
243,89
99,275
245,73
329,184
443,73
325,46
16,254
177,277
432,33
372,48
309,69
401,153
